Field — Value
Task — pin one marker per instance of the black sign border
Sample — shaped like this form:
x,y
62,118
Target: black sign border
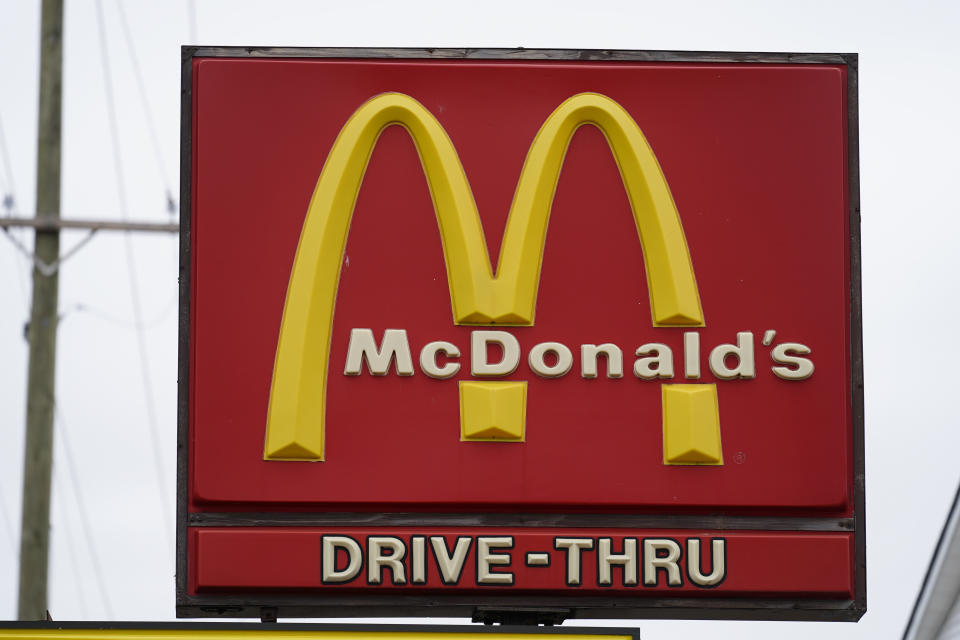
x,y
507,607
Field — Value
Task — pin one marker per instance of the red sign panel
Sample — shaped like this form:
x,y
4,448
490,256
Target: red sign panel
x,y
467,335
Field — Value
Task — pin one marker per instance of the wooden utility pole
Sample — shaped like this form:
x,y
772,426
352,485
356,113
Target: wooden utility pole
x,y
42,331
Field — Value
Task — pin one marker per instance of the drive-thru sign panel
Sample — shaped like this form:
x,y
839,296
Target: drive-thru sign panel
x,y
476,331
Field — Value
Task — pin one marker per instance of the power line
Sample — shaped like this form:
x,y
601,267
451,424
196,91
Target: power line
x,y
158,156
9,201
22,278
7,526
28,255
9,204
156,443
71,545
82,509
152,323
8,169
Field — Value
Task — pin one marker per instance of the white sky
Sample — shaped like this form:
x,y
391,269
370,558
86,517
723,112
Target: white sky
x,y
909,136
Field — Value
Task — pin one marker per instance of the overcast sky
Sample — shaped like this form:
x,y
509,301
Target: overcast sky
x,y
112,541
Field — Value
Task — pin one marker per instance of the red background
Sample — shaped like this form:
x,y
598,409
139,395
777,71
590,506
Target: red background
x,y
755,158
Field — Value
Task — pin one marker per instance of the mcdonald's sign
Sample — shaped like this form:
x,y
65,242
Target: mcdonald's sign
x,y
520,335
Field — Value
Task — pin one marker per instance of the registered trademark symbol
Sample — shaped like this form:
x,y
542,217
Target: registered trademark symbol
x,y
740,458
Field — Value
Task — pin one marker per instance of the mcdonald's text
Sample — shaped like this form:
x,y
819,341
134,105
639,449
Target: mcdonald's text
x,y
440,359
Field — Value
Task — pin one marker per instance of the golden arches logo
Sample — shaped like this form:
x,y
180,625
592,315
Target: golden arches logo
x,y
296,413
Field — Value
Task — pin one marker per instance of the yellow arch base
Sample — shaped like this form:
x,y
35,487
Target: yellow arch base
x,y
493,411
691,424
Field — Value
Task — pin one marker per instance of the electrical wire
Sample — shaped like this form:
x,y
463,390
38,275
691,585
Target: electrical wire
x,y
151,126
9,202
22,277
61,430
156,444
7,524
8,168
152,323
71,543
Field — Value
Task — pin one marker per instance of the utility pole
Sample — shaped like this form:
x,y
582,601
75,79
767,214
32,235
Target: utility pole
x,y
42,331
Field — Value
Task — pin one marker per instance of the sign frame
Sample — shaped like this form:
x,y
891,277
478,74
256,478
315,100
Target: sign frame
x,y
523,608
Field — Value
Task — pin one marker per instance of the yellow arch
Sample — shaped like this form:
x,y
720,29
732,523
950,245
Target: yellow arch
x,y
295,416
674,298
